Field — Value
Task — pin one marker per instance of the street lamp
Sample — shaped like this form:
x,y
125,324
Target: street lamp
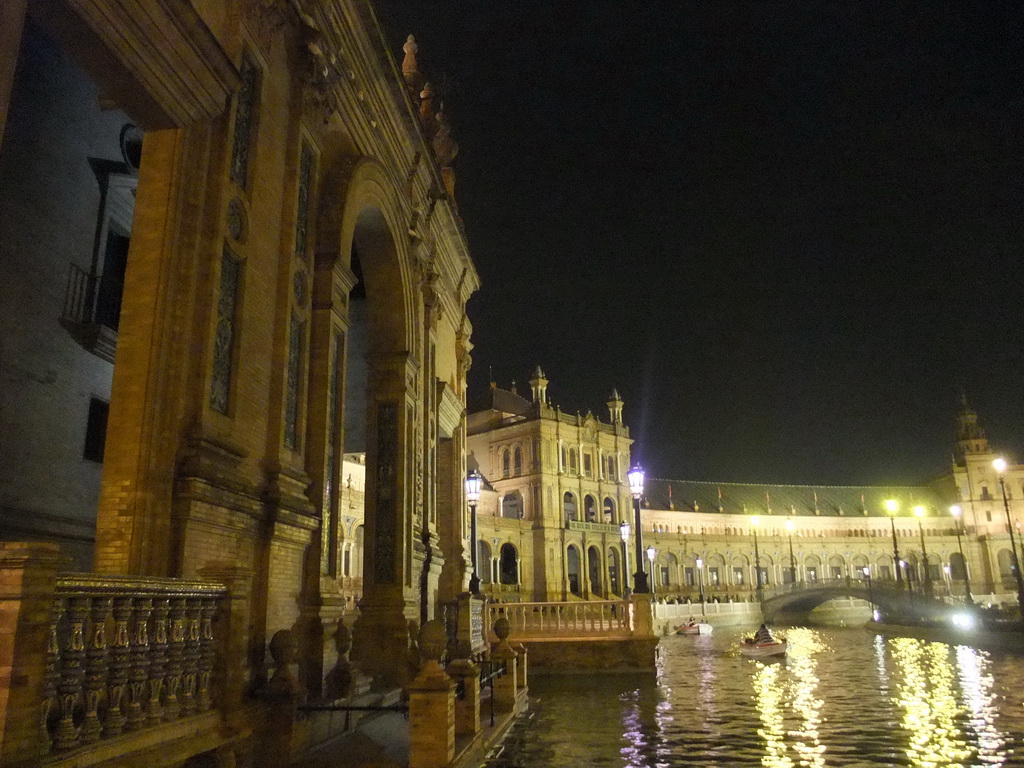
x,y
700,580
892,507
636,487
1000,466
792,560
920,512
651,553
624,533
473,484
957,512
755,521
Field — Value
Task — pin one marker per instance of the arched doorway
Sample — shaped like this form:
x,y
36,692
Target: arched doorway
x,y
590,508
573,571
609,510
508,565
594,571
614,571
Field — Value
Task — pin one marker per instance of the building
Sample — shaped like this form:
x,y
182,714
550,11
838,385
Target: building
x,y
556,484
558,493
232,257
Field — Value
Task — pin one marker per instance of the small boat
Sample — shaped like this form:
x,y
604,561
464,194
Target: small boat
x,y
694,628
763,650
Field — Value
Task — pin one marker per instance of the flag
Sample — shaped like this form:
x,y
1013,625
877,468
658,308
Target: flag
x,y
815,500
768,501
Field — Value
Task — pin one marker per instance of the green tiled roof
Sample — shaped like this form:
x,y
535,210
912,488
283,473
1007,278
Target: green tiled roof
x,y
755,499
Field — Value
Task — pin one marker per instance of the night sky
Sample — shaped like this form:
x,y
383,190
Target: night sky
x,y
790,233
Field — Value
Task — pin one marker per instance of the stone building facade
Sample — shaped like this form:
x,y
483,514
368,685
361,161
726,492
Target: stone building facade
x,y
703,534
234,257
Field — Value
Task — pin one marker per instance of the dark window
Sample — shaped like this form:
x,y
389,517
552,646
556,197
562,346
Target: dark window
x,y
96,430
115,262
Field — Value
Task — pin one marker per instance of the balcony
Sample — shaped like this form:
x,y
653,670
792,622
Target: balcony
x,y
92,307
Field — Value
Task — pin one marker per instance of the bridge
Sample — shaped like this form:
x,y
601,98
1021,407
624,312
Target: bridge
x,y
794,602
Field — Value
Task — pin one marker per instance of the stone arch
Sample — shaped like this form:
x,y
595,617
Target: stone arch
x,y
362,251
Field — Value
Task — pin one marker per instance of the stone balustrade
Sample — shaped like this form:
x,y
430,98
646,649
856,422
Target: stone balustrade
x,y
577,619
124,654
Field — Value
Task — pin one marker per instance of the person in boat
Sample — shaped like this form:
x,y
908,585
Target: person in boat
x,y
690,621
763,635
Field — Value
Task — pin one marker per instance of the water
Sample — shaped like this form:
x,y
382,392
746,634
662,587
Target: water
x,y
842,697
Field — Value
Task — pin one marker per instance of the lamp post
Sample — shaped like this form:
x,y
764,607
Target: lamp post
x,y
700,580
473,484
651,554
1000,466
792,560
892,507
920,511
636,487
957,512
624,533
755,521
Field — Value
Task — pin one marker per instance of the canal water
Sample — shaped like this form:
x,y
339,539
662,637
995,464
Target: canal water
x,y
842,697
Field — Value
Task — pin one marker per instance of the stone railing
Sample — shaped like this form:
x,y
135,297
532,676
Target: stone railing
x,y
125,654
582,619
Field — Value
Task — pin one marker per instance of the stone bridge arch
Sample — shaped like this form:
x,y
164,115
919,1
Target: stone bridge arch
x,y
795,604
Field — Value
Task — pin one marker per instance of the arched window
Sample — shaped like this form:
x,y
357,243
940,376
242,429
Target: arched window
x,y
589,508
517,462
565,462
613,571
573,463
504,463
611,468
508,565
569,506
609,509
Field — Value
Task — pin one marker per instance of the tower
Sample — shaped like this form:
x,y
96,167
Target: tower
x,y
970,437
539,384
615,407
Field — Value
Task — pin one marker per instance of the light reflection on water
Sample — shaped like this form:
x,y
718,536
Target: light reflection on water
x,y
842,697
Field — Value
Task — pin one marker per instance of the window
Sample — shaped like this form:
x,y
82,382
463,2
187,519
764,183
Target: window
x,y
665,576
764,576
573,464
988,515
565,462
884,573
812,574
504,463
96,430
588,469
713,577
611,468
517,462
837,572
689,576
737,576
985,494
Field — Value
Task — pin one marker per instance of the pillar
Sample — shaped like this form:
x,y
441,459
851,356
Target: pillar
x,y
431,704
467,706
505,686
27,576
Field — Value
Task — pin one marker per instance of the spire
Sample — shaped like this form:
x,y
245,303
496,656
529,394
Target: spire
x,y
539,385
615,407
970,437
410,68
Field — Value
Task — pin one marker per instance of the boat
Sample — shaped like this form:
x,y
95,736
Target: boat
x,y
694,628
763,650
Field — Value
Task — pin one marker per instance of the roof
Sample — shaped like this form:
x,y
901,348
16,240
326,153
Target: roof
x,y
758,499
